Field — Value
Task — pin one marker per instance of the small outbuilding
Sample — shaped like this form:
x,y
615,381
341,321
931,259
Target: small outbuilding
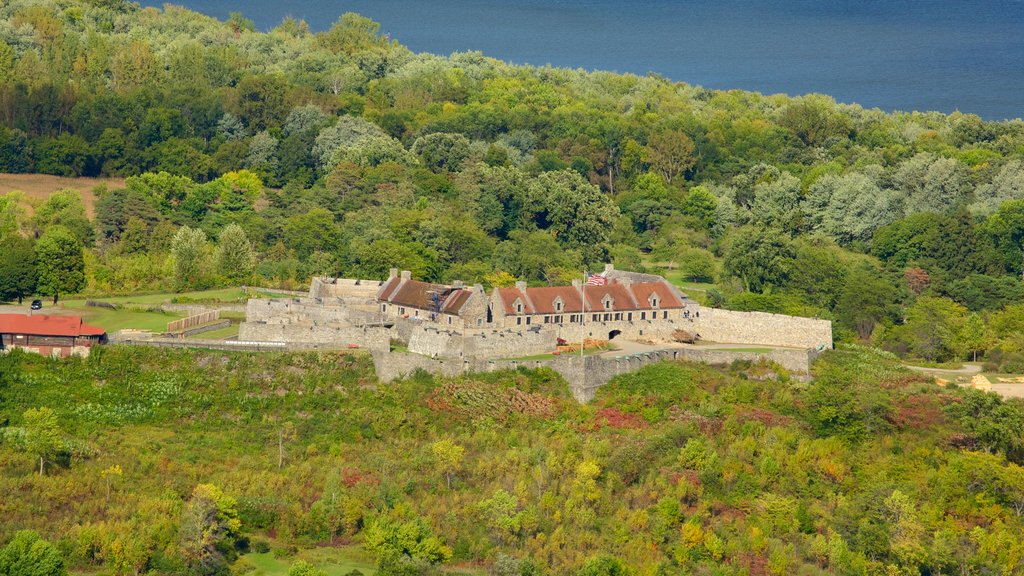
x,y
58,336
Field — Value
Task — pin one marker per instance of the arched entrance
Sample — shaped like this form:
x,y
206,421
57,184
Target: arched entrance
x,y
613,334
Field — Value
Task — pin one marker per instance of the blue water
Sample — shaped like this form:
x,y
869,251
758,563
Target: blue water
x,y
896,54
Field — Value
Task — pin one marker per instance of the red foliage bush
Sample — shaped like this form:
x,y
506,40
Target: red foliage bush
x,y
917,412
615,418
766,417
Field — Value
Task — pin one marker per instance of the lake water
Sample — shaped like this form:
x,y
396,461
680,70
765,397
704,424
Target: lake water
x,y
895,54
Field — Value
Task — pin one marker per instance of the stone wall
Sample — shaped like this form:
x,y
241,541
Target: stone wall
x,y
434,343
344,288
325,335
762,328
510,344
584,375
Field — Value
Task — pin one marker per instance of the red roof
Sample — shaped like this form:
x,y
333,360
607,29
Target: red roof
x,y
634,297
666,299
43,325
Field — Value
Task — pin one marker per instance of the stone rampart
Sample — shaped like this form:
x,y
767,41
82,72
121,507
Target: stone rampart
x,y
587,374
510,344
434,343
344,288
716,325
373,338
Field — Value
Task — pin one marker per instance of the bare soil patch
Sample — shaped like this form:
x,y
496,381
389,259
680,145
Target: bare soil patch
x,y
38,187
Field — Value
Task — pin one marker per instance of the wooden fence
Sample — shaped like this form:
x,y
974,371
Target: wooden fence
x,y
193,321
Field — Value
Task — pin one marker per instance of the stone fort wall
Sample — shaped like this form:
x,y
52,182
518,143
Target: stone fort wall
x,y
584,375
372,337
344,288
762,328
434,342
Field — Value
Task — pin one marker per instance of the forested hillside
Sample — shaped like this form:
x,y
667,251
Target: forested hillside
x,y
270,157
190,462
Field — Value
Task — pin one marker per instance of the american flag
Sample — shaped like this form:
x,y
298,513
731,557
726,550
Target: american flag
x,y
596,280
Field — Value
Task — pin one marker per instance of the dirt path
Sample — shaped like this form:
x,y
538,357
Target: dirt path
x,y
966,370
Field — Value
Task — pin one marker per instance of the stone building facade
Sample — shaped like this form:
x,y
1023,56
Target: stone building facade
x,y
465,322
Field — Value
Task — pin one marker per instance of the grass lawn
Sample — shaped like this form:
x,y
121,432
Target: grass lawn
x,y
333,561
587,352
220,334
114,320
218,295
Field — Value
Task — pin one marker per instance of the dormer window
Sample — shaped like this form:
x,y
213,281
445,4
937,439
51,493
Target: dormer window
x,y
608,302
519,307
558,305
653,299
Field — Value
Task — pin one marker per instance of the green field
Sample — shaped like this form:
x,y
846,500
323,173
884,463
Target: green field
x,y
220,334
220,295
333,561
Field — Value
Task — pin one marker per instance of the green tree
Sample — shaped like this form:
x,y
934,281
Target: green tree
x,y
189,251
17,269
442,151
670,153
27,554
64,208
60,263
312,231
39,435
303,568
209,529
234,255
759,258
868,297
575,210
448,458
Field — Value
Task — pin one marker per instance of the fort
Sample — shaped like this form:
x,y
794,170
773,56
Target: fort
x,y
409,325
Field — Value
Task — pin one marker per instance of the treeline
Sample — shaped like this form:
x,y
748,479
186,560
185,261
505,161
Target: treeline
x,y
149,461
342,152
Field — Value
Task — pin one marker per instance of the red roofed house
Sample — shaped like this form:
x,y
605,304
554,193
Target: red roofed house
x,y
59,336
630,304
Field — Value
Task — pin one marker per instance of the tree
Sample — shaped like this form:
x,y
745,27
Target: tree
x,y
448,458
815,121
303,568
235,256
39,435
64,208
17,269
931,183
670,153
442,151
312,231
189,251
759,258
60,263
574,209
850,207
867,298
29,555
209,529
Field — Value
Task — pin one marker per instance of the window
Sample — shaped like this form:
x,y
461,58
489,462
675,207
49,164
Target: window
x,y
643,315
401,311
519,321
558,306
629,316
664,314
383,307
519,307
547,319
654,302
607,317
527,320
618,315
449,320
608,304
558,319
597,317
